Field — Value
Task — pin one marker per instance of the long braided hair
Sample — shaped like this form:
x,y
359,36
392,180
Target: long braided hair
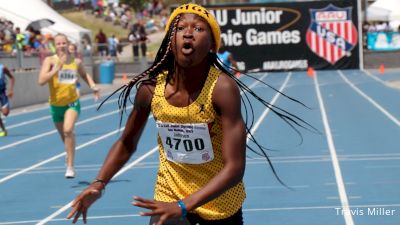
x,y
164,58
165,61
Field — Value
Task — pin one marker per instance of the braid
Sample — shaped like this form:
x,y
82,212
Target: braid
x,y
160,63
164,60
292,120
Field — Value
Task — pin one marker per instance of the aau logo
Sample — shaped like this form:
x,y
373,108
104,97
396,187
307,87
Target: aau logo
x,y
332,34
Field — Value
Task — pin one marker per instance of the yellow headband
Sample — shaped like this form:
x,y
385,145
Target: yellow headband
x,y
200,11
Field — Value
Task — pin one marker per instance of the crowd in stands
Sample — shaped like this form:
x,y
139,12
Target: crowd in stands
x,y
382,26
7,35
139,24
121,14
380,34
16,41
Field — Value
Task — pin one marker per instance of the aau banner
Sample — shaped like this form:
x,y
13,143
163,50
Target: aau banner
x,y
332,34
291,36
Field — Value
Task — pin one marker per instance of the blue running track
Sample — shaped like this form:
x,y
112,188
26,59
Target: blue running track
x,y
347,175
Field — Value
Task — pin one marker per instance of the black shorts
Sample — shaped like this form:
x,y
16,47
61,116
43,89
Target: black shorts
x,y
4,103
193,219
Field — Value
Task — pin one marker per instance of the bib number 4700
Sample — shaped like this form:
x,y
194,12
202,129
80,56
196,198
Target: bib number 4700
x,y
187,144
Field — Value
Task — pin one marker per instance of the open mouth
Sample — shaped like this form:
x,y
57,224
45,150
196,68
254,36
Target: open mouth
x,y
187,48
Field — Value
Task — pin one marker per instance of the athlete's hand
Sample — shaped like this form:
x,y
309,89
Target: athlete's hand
x,y
10,94
96,93
165,210
82,203
57,67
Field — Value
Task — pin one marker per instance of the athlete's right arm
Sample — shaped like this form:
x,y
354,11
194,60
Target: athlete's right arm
x,y
47,71
118,155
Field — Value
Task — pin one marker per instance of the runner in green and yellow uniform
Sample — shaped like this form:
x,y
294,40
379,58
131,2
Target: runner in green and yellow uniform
x,y
61,72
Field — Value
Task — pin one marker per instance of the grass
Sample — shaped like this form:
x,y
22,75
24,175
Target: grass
x,y
90,22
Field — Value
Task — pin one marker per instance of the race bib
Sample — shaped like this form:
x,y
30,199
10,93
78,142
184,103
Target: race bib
x,y
67,77
186,143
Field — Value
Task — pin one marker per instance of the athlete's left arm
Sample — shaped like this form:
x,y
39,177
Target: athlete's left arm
x,y
12,81
87,78
226,100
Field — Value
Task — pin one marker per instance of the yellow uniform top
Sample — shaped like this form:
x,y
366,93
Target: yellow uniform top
x,y
178,180
62,85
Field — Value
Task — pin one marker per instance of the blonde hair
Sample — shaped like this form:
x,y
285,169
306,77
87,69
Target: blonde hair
x,y
61,35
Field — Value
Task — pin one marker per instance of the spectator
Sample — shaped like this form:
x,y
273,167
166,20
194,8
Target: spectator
x,y
125,18
86,47
226,58
101,41
77,4
73,50
164,19
2,41
134,40
42,50
19,46
142,39
46,47
113,47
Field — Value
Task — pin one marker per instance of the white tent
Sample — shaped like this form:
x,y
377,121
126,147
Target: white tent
x,y
384,10
22,12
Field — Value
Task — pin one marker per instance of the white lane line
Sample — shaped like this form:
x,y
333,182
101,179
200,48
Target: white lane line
x,y
385,156
48,117
374,77
336,210
361,157
336,197
55,131
357,156
332,184
62,154
277,187
383,110
335,162
43,106
333,207
274,99
2,180
261,161
87,107
64,219
27,122
255,83
323,160
67,206
58,212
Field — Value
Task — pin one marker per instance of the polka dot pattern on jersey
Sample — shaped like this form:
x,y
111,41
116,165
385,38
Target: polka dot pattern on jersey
x,y
177,180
